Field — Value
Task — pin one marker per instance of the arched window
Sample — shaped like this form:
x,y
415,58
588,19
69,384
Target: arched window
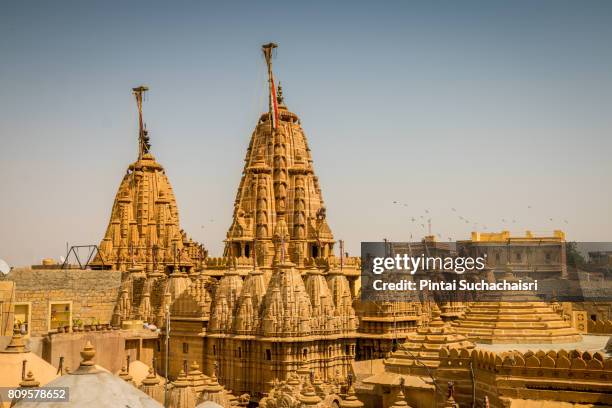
x,y
268,355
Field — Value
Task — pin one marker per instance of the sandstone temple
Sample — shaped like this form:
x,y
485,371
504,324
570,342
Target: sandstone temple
x,y
144,230
277,320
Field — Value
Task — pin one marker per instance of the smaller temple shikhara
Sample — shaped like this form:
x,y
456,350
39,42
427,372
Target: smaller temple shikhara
x,y
144,238
144,229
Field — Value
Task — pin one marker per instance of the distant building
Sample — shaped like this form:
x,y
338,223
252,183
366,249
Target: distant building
x,y
601,258
537,256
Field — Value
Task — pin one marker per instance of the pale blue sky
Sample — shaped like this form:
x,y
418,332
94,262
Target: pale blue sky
x,y
486,107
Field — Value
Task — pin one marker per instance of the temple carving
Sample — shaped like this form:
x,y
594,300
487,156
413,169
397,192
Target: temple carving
x,y
144,228
279,197
279,301
144,239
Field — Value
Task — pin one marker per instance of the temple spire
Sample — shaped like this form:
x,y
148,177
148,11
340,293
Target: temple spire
x,y
143,138
279,196
273,103
279,95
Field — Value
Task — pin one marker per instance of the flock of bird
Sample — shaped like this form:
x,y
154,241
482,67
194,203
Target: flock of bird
x,y
424,220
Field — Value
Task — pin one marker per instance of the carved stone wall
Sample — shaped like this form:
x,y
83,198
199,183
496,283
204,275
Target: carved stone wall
x,y
568,376
279,197
144,227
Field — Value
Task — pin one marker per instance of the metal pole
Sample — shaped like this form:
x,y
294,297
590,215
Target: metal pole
x,y
473,385
167,352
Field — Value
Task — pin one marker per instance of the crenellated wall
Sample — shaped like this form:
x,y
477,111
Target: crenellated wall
x,y
600,327
569,376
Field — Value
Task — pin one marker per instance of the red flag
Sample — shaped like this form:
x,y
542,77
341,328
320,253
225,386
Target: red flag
x,y
273,103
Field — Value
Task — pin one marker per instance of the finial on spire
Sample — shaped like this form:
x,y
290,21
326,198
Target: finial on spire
x,y
279,95
267,51
29,381
87,354
16,344
144,144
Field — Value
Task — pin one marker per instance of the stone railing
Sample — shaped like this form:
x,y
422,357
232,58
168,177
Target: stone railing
x,y
563,376
600,327
217,263
561,363
350,264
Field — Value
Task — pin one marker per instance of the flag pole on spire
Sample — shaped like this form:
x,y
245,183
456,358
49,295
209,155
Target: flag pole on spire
x,y
341,255
143,138
273,103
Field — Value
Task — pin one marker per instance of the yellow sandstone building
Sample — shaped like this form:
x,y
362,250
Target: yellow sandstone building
x,y
277,320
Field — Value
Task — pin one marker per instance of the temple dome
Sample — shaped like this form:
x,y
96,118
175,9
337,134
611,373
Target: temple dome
x,y
325,318
153,386
340,291
12,359
195,301
92,386
247,319
287,310
225,302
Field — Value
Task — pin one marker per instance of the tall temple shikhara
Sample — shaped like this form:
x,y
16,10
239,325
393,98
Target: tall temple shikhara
x,y
279,197
283,303
144,229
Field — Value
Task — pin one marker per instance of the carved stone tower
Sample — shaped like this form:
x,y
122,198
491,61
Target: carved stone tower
x,y
144,239
144,228
279,196
282,302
